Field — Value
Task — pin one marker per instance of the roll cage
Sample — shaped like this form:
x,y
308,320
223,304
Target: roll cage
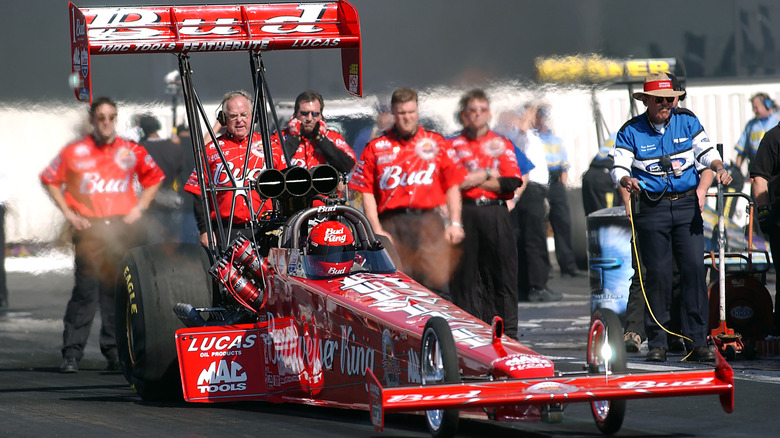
x,y
254,29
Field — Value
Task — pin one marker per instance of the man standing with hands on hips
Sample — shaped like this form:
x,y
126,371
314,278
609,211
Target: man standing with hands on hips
x,y
659,156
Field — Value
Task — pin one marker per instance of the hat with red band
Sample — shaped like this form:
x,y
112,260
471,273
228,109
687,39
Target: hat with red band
x,y
658,84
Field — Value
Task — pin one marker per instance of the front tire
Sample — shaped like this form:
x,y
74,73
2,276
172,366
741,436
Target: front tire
x,y
439,364
606,336
153,279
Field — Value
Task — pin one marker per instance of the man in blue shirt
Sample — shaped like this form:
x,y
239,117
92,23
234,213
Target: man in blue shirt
x,y
658,158
766,117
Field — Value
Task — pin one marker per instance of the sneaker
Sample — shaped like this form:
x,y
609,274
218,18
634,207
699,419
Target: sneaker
x,y
543,295
113,365
69,366
632,341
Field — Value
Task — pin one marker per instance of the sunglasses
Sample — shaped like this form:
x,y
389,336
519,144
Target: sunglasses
x,y
309,113
661,99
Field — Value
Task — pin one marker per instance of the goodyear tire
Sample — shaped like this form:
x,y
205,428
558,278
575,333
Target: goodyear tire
x,y
439,364
153,279
606,335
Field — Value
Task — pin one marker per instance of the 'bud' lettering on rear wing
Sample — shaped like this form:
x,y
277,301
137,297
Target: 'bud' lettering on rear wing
x,y
216,28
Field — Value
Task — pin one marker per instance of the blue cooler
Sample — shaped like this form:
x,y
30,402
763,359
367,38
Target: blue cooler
x,y
609,259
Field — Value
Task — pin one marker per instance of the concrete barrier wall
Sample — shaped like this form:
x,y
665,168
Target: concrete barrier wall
x,y
31,136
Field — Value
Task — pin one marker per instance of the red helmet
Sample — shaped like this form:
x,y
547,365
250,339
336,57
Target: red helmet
x,y
331,249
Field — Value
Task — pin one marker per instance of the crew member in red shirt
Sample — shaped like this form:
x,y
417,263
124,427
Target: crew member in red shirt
x,y
308,140
405,176
91,181
234,206
485,282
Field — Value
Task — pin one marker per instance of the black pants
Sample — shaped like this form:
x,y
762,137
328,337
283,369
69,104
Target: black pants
x,y
485,282
99,251
668,230
3,284
529,221
774,246
560,220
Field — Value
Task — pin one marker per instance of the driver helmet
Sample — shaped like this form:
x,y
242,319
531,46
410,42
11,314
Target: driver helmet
x,y
331,249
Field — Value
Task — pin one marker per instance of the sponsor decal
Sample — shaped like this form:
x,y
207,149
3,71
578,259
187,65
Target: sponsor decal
x,y
124,158
413,367
389,361
355,358
394,176
382,145
92,183
335,236
551,388
336,271
650,384
473,394
221,345
519,362
257,149
222,376
742,312
493,147
318,42
426,148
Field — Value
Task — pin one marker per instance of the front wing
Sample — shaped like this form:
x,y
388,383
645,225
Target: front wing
x,y
718,381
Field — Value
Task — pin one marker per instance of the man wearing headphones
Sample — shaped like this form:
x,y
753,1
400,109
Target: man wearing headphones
x,y
766,117
236,116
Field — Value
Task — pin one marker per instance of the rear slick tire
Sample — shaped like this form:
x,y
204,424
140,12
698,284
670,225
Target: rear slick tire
x,y
153,279
606,329
439,364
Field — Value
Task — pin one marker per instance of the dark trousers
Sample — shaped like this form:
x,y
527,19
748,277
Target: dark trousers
x,y
669,229
529,221
426,255
98,254
485,282
560,220
3,284
774,246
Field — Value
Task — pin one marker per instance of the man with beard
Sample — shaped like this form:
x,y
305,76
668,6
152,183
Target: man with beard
x,y
485,282
405,175
658,157
233,207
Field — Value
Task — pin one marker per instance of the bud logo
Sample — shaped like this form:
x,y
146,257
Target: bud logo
x,y
222,376
335,236
649,384
473,394
92,183
311,14
336,271
393,176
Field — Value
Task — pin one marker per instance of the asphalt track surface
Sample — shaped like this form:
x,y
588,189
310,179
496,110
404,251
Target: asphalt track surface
x,y
36,400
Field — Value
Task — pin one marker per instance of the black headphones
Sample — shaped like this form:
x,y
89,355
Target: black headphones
x,y
677,86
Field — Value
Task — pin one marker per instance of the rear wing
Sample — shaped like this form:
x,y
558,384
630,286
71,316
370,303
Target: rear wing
x,y
217,28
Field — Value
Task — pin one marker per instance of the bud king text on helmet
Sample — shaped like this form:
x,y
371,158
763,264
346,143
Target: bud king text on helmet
x,y
331,249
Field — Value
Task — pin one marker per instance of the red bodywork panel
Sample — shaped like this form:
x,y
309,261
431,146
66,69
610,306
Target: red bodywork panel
x,y
214,28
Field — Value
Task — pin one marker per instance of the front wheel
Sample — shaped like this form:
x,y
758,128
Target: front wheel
x,y
439,364
606,354
153,280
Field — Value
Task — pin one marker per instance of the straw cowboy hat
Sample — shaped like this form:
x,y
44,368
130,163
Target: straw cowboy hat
x,y
658,84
